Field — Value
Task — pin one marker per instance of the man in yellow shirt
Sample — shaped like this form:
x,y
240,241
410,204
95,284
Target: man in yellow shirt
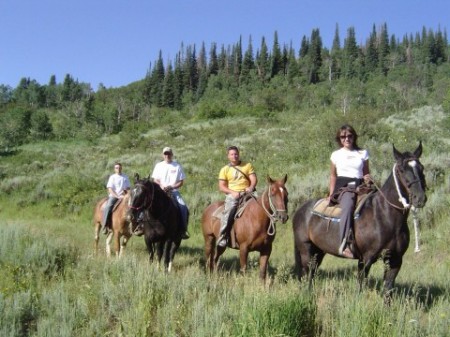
x,y
235,178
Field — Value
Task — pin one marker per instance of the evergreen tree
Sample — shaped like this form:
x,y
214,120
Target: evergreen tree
x,y
262,61
350,55
237,60
190,70
178,84
335,55
168,92
383,50
276,61
213,68
292,69
157,81
304,47
248,63
372,52
315,56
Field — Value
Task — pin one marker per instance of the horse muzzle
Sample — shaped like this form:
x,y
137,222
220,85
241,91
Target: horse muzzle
x,y
282,216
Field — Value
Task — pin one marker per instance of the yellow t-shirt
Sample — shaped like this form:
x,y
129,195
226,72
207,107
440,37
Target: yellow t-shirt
x,y
236,180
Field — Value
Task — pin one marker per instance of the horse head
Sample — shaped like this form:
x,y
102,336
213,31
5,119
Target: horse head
x,y
409,171
278,198
140,198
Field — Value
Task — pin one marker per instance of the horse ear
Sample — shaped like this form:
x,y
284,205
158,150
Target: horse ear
x,y
136,177
418,151
397,154
285,179
269,180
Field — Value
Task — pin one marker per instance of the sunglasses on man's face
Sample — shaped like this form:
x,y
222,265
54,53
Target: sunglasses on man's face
x,y
346,136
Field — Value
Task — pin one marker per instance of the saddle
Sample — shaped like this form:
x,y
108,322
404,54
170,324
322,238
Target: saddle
x,y
242,205
332,212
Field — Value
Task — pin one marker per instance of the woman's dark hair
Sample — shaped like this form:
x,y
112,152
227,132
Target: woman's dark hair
x,y
350,129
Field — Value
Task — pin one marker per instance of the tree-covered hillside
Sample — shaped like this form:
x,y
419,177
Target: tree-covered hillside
x,y
385,74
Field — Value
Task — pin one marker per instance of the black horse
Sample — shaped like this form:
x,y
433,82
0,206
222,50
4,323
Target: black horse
x,y
381,231
153,208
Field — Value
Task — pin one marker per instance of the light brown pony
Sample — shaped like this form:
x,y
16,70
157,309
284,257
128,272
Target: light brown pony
x,y
120,226
254,230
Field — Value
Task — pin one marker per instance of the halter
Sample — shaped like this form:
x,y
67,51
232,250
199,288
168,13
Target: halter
x,y
145,188
272,229
405,204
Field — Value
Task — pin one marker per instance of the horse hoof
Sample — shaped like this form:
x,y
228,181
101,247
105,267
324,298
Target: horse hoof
x,y
347,253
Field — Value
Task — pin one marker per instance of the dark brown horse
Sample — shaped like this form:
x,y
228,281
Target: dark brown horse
x,y
381,231
254,229
153,208
120,230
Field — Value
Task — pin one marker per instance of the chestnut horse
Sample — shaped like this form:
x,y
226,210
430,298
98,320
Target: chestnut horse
x,y
254,229
380,231
120,230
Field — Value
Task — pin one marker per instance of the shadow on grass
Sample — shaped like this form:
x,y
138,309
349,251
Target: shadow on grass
x,y
426,295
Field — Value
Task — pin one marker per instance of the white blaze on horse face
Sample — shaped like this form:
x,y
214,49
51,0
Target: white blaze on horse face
x,y
412,163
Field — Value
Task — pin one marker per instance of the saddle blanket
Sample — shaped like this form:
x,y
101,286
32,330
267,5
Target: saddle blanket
x,y
323,209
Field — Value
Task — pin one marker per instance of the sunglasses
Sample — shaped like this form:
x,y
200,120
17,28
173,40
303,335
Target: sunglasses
x,y
347,136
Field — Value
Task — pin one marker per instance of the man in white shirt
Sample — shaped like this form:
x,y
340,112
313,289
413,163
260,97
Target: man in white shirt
x,y
169,175
118,185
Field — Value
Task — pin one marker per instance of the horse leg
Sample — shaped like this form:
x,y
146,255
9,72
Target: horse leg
x,y
264,263
392,266
123,244
173,247
109,238
307,260
243,256
150,248
96,236
363,272
210,250
219,252
117,237
160,251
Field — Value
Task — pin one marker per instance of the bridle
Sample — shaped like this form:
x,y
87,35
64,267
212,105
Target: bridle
x,y
273,215
144,187
403,200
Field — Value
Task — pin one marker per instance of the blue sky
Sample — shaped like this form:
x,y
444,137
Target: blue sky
x,y
114,41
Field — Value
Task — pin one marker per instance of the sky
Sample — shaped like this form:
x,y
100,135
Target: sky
x,y
114,42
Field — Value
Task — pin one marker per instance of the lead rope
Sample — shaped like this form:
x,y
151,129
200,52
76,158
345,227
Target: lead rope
x,y
413,210
272,229
400,197
416,228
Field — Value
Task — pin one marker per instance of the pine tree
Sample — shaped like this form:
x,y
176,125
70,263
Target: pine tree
x,y
350,55
383,50
315,56
262,61
168,91
213,68
372,52
276,61
248,63
335,54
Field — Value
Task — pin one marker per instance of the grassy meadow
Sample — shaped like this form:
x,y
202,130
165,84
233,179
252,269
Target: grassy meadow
x,y
53,284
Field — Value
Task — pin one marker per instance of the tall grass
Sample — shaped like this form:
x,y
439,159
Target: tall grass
x,y
52,283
